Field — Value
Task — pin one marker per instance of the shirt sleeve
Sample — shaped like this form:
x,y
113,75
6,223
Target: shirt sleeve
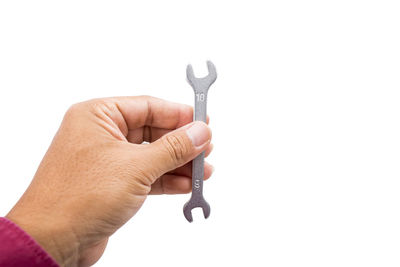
x,y
18,249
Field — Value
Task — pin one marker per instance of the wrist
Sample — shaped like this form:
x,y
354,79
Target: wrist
x,y
56,238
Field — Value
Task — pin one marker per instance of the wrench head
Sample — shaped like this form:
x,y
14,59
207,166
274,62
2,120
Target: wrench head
x,y
191,204
202,84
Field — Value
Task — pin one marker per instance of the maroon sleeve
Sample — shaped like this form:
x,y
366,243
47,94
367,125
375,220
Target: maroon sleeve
x,y
18,249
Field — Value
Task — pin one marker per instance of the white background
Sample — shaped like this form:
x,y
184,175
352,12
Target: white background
x,y
305,117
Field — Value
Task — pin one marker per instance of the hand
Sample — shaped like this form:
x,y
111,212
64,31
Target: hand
x,y
98,172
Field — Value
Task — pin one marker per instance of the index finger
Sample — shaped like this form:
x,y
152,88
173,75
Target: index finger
x,y
139,111
135,112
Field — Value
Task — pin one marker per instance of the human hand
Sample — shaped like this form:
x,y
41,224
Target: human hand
x,y
97,173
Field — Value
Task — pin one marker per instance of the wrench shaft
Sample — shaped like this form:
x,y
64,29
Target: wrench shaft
x,y
197,176
200,114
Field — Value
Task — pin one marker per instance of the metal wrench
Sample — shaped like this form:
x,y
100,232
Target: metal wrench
x,y
200,87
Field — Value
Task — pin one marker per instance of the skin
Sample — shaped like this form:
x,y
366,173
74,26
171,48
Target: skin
x,y
98,172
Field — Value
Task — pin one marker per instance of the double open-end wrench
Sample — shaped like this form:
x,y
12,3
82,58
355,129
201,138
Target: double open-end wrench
x,y
200,87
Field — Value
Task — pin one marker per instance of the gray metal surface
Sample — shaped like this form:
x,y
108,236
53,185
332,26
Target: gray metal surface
x,y
200,87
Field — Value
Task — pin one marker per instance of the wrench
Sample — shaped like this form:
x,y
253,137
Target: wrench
x,y
200,87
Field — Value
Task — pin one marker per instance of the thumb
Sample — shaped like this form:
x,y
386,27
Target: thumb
x,y
177,148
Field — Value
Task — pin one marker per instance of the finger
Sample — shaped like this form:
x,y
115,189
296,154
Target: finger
x,y
174,184
209,149
186,170
148,133
174,149
128,113
171,184
139,111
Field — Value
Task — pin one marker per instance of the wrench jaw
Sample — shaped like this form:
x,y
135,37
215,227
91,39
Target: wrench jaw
x,y
190,76
190,205
212,73
201,85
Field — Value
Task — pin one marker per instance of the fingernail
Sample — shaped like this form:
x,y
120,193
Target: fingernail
x,y
199,133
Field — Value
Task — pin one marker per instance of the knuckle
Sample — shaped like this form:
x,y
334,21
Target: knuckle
x,y
177,147
149,99
102,107
100,104
90,106
144,98
73,110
